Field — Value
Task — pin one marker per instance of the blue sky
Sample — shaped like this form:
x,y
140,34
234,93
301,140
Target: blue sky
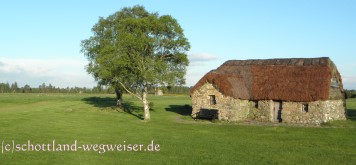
x,y
40,40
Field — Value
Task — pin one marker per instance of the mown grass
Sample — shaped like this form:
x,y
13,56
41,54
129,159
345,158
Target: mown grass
x,y
92,119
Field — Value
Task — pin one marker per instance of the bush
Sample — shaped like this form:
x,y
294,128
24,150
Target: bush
x,y
151,105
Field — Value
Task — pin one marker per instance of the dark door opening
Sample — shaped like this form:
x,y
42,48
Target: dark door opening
x,y
277,111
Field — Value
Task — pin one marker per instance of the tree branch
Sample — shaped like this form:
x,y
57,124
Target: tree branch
x,y
130,91
123,86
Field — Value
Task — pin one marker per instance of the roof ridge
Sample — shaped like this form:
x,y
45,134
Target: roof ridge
x,y
280,61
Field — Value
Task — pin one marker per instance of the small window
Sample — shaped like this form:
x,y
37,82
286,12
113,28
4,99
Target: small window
x,y
212,99
305,107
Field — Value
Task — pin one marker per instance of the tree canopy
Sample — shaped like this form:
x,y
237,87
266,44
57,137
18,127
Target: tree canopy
x,y
133,49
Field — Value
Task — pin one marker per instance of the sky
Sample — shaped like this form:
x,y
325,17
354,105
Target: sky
x,y
40,39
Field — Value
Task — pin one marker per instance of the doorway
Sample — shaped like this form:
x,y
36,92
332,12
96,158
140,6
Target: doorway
x,y
277,111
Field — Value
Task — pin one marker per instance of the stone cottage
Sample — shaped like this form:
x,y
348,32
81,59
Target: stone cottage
x,y
295,90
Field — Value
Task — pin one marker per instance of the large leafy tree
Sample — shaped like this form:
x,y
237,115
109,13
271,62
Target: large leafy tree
x,y
133,49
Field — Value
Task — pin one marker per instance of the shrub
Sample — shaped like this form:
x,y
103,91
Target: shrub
x,y
151,105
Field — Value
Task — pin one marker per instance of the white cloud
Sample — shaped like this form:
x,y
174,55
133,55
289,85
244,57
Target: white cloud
x,y
65,72
200,64
349,81
193,76
201,57
60,72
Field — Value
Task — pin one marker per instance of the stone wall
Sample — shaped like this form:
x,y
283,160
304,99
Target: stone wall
x,y
318,112
230,109
261,111
333,110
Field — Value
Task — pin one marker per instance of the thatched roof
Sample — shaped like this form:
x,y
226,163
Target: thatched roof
x,y
294,79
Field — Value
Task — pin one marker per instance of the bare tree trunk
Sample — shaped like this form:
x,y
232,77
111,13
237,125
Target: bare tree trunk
x,y
146,107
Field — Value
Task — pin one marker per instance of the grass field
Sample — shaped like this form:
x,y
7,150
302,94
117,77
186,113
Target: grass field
x,y
92,119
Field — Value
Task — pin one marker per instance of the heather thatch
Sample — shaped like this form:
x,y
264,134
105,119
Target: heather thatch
x,y
296,79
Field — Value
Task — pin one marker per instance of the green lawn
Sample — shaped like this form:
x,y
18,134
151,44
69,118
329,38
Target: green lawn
x,y
91,119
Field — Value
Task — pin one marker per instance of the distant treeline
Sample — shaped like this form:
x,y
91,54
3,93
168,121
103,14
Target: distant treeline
x,y
350,93
48,88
